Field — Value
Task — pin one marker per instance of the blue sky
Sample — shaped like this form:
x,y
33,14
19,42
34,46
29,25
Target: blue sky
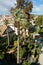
x,y
37,7
5,6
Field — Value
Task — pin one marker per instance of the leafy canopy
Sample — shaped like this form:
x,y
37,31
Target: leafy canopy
x,y
39,20
19,16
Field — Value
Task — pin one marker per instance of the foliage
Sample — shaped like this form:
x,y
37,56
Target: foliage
x,y
3,48
31,49
32,29
39,20
26,5
22,52
2,55
37,29
3,45
41,30
26,63
19,15
15,43
6,22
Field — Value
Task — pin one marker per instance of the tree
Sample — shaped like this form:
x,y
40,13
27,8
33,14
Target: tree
x,y
20,15
6,23
39,20
19,22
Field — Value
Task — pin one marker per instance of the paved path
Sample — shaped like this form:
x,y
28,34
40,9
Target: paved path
x,y
41,58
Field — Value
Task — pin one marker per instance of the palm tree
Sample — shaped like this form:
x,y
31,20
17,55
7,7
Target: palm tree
x,y
20,18
20,22
6,23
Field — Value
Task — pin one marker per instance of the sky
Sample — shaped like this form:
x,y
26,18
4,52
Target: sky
x,y
37,7
5,6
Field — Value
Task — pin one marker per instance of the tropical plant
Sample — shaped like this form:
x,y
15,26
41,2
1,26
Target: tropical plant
x,y
19,22
20,15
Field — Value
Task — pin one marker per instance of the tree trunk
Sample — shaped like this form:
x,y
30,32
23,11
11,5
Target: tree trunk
x,y
8,37
18,25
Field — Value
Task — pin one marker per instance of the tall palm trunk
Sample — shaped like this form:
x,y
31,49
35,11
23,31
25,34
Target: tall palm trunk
x,y
18,61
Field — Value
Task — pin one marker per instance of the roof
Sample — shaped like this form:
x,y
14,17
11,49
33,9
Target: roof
x,y
2,29
8,17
